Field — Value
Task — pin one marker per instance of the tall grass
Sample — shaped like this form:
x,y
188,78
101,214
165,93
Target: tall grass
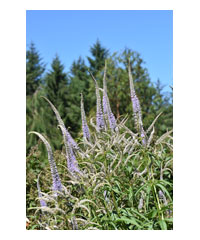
x,y
112,179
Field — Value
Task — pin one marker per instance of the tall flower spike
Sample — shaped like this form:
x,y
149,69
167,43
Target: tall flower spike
x,y
99,115
106,104
85,128
136,108
72,163
60,121
57,186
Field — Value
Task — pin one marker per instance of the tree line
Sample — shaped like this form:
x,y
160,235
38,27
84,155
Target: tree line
x,y
63,90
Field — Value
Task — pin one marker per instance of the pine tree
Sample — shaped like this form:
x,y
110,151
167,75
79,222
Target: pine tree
x,y
56,87
35,117
34,70
56,90
99,54
162,102
80,82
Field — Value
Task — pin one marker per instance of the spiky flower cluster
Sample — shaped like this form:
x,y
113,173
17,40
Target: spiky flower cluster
x,y
56,186
136,108
42,202
106,104
70,144
72,163
85,128
71,141
99,114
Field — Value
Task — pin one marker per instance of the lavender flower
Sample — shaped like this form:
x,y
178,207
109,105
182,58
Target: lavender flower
x,y
106,104
86,132
162,196
42,202
72,163
143,136
57,186
136,108
141,202
99,114
60,121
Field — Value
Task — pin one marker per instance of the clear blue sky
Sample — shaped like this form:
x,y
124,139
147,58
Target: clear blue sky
x,y
71,33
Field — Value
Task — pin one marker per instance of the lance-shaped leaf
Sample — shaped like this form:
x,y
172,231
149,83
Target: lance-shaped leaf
x,y
85,128
99,114
106,104
72,163
57,186
60,121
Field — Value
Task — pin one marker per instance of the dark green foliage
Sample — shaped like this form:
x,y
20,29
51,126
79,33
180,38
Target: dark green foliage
x,y
57,91
34,70
99,54
35,117
56,87
162,103
79,82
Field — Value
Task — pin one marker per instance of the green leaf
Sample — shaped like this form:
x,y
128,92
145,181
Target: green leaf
x,y
128,221
163,224
130,196
139,214
169,220
140,189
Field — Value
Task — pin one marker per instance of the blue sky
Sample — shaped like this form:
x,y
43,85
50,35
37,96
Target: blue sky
x,y
70,34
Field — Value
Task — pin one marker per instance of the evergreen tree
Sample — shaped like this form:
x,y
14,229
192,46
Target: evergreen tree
x,y
56,90
34,70
35,117
56,87
99,54
162,102
79,82
96,66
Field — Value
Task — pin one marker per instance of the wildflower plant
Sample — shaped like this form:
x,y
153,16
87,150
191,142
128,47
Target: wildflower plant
x,y
99,113
85,128
106,105
113,179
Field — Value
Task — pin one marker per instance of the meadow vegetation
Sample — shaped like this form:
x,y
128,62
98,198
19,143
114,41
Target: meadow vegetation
x,y
112,177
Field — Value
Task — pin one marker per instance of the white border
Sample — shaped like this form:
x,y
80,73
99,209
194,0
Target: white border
x,y
186,117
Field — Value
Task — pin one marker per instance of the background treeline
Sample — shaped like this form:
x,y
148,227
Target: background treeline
x,y
63,90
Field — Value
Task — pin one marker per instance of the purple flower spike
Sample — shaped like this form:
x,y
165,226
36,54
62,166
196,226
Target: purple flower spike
x,y
57,185
143,136
85,128
42,202
99,115
72,163
60,121
106,104
136,108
